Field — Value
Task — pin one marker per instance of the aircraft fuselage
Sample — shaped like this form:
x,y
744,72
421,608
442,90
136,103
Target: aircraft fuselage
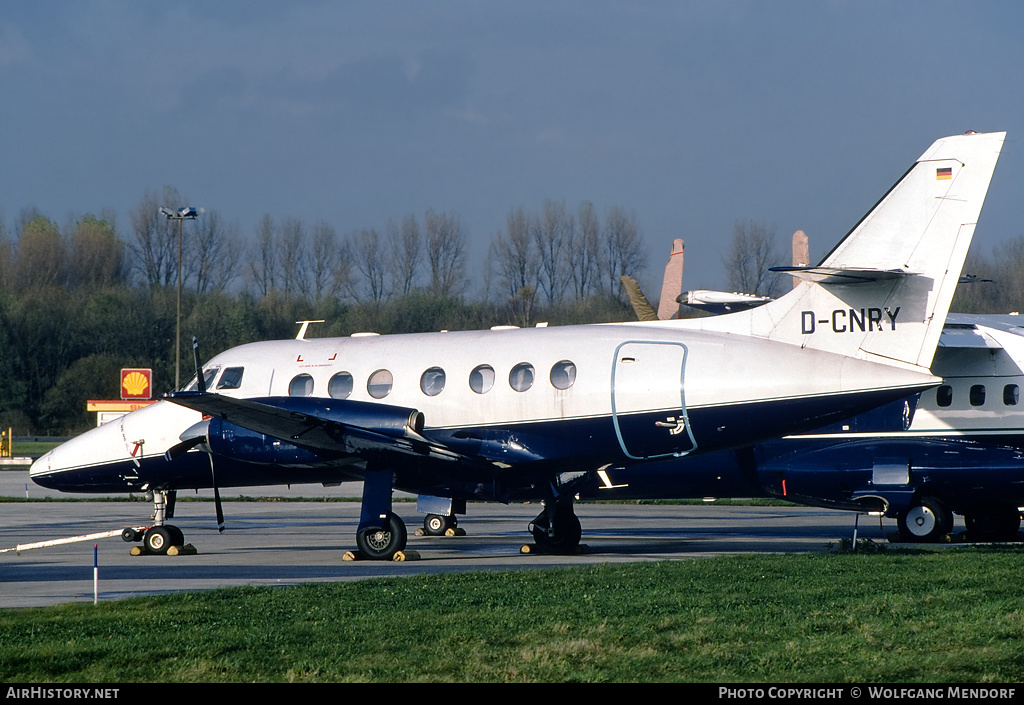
x,y
575,397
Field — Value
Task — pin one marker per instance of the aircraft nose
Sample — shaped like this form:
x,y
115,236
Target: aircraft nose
x,y
82,464
39,470
110,458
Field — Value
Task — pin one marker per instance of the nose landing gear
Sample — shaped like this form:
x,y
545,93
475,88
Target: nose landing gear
x,y
159,538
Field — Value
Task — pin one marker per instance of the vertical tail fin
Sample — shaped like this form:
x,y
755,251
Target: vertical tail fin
x,y
883,292
672,284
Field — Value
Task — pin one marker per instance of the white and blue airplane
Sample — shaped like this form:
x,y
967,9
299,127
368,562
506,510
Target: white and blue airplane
x,y
537,414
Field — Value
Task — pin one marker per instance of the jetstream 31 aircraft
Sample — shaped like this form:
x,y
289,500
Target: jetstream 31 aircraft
x,y
535,414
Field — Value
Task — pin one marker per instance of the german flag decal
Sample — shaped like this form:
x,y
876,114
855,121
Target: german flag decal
x,y
944,174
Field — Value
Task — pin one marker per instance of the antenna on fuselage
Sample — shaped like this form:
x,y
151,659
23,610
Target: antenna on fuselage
x,y
304,326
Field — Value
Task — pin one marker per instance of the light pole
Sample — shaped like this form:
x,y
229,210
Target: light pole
x,y
182,214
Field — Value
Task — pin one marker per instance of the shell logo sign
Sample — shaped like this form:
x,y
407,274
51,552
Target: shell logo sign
x,y
136,383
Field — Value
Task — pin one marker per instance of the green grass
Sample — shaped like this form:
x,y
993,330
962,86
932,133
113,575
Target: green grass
x,y
32,448
925,616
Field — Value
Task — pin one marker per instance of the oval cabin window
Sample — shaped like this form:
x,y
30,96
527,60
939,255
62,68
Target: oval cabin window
x,y
481,379
432,381
563,374
300,386
340,386
379,384
521,377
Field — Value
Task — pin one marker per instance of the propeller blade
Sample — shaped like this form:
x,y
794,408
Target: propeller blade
x,y
193,436
220,510
216,496
180,449
200,378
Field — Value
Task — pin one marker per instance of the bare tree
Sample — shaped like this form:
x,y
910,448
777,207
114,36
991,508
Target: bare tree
x,y
752,253
363,249
293,258
993,285
323,261
406,245
553,235
214,253
446,253
584,252
622,248
263,263
155,238
514,253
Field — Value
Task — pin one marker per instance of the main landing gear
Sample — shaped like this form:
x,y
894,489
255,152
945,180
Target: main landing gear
x,y
557,529
158,538
993,523
927,519
382,542
381,533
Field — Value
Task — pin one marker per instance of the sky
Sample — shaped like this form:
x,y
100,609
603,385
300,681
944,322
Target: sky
x,y
693,116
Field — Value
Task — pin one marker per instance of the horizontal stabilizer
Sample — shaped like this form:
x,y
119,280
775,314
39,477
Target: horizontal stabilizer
x,y
841,275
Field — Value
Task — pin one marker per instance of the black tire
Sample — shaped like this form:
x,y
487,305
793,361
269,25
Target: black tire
x,y
993,524
177,537
567,531
928,520
437,524
158,539
383,543
130,535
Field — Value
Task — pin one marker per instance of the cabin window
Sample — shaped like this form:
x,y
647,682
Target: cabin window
x,y
231,379
944,395
432,381
340,386
521,377
977,395
380,383
300,386
481,379
209,374
563,374
1011,395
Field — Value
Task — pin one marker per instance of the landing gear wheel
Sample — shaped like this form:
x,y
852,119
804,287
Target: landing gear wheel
x,y
382,543
177,537
158,539
566,533
438,524
993,524
926,521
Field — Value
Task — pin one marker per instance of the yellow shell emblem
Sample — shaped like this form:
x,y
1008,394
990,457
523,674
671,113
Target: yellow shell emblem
x,y
135,383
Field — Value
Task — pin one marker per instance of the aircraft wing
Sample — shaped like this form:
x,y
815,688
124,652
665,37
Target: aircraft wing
x,y
332,425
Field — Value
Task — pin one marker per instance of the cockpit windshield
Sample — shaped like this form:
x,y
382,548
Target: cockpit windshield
x,y
209,374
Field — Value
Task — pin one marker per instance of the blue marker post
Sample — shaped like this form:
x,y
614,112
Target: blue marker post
x,y
95,574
